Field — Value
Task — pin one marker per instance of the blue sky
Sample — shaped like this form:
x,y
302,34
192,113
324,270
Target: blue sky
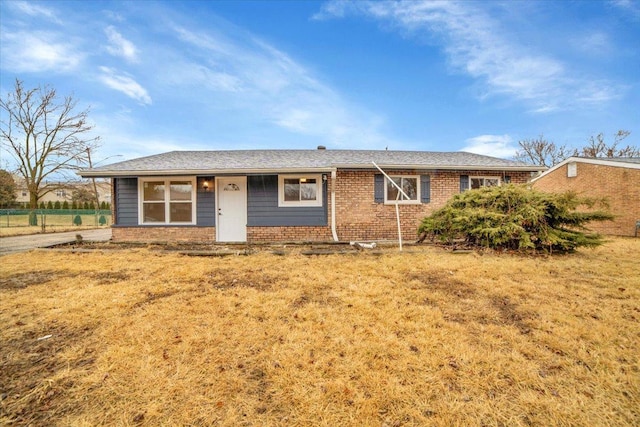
x,y
438,76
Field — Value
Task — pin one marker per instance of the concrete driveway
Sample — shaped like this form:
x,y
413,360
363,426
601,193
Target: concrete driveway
x,y
15,244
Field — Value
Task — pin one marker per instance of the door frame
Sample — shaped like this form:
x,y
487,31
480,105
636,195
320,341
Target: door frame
x,y
220,181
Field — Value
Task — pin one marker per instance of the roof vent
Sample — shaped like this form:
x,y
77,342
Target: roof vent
x,y
321,147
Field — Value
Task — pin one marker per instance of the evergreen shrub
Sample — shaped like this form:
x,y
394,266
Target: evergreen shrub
x,y
517,217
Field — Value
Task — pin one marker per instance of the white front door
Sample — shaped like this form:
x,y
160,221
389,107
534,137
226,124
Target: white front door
x,y
232,209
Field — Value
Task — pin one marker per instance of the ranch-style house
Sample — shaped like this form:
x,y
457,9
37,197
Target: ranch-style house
x,y
291,195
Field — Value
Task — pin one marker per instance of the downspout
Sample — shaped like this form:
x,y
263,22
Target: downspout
x,y
333,206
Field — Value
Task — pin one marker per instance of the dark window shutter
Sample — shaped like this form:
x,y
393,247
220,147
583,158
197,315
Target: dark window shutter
x,y
425,188
464,183
378,188
507,180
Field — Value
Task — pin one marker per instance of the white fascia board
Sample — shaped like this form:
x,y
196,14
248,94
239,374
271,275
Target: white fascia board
x,y
203,172
527,168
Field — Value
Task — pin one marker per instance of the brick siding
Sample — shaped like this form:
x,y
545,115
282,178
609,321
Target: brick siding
x,y
359,217
619,185
153,234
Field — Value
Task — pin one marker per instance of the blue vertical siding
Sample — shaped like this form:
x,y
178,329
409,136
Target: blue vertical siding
x,y
205,204
126,195
263,210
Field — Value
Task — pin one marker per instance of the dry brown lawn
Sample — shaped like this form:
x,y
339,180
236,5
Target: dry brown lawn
x,y
27,230
147,337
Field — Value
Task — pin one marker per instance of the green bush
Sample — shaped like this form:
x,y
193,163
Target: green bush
x,y
57,205
65,205
516,217
77,220
102,220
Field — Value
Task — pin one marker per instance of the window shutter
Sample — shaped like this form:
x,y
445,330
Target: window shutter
x,y
378,188
464,183
425,188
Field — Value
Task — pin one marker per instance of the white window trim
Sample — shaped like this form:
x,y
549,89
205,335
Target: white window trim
x,y
167,201
484,177
302,203
403,202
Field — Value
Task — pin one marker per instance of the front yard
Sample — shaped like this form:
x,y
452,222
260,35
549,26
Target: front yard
x,y
146,337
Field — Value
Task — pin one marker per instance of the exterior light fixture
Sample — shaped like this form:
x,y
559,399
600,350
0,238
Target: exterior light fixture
x,y
205,185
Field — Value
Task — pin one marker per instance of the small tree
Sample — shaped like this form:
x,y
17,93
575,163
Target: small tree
x,y
65,205
57,205
516,217
77,220
7,189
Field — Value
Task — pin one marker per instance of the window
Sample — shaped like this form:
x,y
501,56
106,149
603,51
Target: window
x,y
410,186
61,193
572,170
167,201
484,181
300,190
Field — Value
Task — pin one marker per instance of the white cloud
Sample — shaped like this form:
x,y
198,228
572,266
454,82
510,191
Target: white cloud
x,y
491,145
480,46
629,7
255,77
124,84
119,46
37,51
33,9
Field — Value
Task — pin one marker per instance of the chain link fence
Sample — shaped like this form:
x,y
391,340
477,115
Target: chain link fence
x,y
54,217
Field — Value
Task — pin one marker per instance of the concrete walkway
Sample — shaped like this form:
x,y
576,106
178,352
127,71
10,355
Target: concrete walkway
x,y
15,244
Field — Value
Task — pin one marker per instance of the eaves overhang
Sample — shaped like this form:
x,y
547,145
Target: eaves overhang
x,y
89,173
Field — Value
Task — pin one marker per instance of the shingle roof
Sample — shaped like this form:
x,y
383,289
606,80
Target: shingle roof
x,y
256,161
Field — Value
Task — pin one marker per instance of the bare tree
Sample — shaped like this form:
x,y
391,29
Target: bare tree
x,y
545,153
541,152
45,136
597,147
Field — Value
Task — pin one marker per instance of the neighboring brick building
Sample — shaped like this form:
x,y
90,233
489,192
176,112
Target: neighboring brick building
x,y
291,195
617,180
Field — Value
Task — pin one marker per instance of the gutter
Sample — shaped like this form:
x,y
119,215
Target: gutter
x,y
89,173
334,233
524,168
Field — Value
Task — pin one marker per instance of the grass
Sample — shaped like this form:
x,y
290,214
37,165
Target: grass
x,y
27,230
146,337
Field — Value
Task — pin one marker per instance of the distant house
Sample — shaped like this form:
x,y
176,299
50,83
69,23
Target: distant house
x,y
290,195
617,179
62,191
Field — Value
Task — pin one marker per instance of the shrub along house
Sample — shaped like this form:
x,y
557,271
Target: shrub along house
x,y
290,195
